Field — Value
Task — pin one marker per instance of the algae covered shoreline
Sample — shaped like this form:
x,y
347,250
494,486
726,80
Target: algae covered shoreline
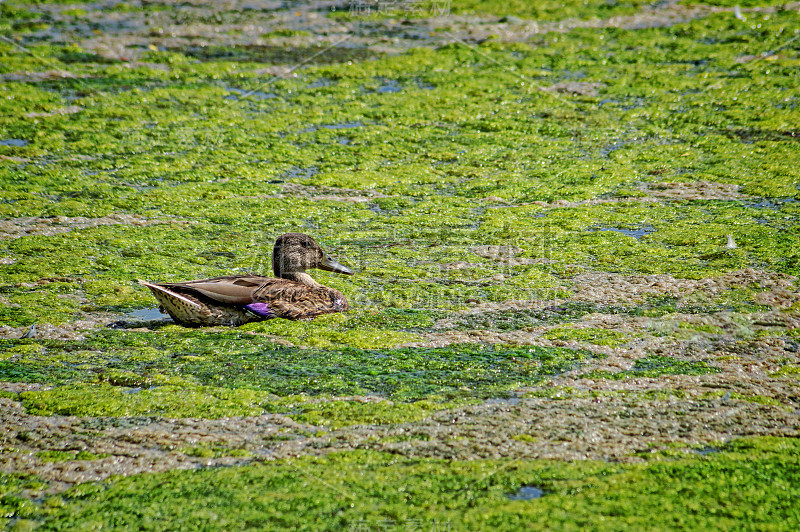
x,y
575,230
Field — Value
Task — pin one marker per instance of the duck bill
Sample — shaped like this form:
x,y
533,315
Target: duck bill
x,y
331,265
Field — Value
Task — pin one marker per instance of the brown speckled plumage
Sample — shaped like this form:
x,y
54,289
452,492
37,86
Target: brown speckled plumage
x,y
240,299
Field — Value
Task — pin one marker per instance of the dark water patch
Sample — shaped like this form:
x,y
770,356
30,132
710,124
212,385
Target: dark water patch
x,y
705,451
769,203
323,82
73,56
572,74
635,233
389,86
297,172
73,89
340,125
239,94
614,146
312,55
526,493
634,103
15,143
693,62
145,314
752,135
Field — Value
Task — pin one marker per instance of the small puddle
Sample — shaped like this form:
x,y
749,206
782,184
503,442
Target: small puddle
x,y
16,143
389,86
138,389
773,203
139,317
323,82
342,125
300,173
609,149
526,493
145,314
635,233
706,450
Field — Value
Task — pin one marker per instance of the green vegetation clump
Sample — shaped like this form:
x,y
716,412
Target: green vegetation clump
x,y
201,374
788,370
588,335
15,499
344,490
656,366
166,401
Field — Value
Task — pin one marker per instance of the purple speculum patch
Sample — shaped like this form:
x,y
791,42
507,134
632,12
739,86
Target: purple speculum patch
x,y
260,309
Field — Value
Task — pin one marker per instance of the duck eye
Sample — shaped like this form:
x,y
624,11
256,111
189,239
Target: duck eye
x,y
305,243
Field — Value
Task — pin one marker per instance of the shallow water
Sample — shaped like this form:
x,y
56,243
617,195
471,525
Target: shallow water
x,y
635,233
146,314
256,94
526,493
18,143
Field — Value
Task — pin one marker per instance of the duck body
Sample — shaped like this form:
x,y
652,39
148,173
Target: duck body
x,y
235,300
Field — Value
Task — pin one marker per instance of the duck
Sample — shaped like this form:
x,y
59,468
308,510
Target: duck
x,y
234,300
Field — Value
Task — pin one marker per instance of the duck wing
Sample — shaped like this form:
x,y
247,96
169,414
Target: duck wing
x,y
294,301
231,290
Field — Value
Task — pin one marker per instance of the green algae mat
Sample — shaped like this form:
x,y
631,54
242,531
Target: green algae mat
x,y
575,228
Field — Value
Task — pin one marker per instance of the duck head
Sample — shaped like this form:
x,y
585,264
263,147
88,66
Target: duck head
x,y
294,253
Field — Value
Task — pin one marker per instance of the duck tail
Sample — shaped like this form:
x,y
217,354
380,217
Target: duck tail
x,y
167,297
